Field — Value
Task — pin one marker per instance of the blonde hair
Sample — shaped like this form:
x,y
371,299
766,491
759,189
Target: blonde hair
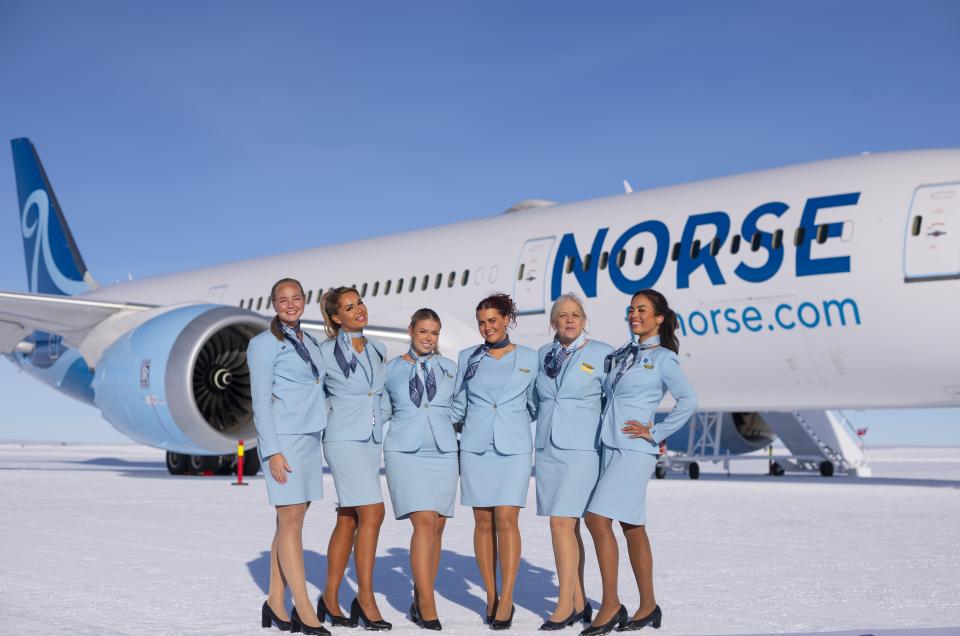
x,y
555,310
330,305
275,323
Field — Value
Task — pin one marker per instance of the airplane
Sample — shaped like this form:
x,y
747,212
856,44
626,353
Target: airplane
x,y
800,291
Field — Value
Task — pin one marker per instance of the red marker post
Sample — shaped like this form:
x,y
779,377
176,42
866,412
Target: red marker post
x,y
239,481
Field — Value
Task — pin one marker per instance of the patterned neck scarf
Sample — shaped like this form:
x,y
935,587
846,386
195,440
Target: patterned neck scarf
x,y
473,363
343,344
292,335
421,378
626,356
554,360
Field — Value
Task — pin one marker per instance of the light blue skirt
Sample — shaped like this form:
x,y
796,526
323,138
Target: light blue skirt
x,y
425,479
565,480
494,479
356,471
304,454
621,492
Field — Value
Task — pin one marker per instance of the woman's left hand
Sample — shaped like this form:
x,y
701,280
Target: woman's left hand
x,y
635,429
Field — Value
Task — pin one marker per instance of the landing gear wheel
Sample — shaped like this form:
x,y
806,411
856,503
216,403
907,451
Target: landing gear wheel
x,y
200,464
176,463
826,468
776,470
693,470
660,471
225,465
251,464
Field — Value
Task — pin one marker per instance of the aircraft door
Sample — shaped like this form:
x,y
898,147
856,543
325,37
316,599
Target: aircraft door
x,y
530,276
932,242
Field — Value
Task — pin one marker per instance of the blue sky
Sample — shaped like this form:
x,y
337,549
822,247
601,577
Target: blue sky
x,y
172,131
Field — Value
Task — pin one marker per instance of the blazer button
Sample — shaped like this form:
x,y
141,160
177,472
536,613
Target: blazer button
x,y
370,394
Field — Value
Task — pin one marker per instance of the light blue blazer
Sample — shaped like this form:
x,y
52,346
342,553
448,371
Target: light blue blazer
x,y
637,396
569,405
408,421
355,408
503,417
287,400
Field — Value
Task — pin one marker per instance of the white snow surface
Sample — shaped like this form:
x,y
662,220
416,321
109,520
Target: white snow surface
x,y
101,540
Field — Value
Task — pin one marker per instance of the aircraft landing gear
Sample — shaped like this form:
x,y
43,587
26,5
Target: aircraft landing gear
x,y
826,468
776,470
660,471
693,470
177,463
180,464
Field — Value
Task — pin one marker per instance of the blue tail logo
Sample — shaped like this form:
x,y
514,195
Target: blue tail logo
x,y
54,264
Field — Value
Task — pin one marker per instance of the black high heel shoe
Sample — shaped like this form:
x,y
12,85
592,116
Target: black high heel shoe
x,y
417,617
357,614
586,616
296,625
336,621
654,619
269,617
499,625
489,618
619,620
554,626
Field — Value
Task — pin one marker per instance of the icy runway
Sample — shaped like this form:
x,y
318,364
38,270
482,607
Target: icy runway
x,y
101,540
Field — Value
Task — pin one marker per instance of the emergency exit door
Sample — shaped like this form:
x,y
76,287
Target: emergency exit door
x,y
932,244
530,276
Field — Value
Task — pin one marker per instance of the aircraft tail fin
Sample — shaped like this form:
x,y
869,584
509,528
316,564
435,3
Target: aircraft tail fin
x,y
54,264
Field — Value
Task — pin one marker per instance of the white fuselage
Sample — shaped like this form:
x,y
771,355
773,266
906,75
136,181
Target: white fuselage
x,y
774,344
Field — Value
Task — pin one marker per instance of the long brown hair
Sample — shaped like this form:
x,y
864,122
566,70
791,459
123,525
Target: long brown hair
x,y
275,323
330,305
668,328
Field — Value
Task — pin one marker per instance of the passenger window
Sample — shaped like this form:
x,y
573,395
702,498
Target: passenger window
x,y
309,296
798,237
569,267
621,258
363,290
465,278
755,242
259,303
917,224
822,233
735,244
715,246
386,287
413,284
638,257
451,279
695,249
520,272
426,281
399,285
675,255
376,288
778,239
436,284
586,262
604,259
250,304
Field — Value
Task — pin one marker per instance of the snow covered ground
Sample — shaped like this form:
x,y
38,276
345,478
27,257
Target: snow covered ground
x,y
101,540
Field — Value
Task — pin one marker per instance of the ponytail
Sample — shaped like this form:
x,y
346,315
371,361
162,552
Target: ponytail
x,y
329,306
275,323
670,324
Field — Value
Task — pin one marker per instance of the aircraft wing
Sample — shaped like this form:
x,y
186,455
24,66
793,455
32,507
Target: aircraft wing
x,y
390,335
67,316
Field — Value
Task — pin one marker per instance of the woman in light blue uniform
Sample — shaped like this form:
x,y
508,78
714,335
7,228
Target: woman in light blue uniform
x,y
638,375
569,390
352,444
420,454
495,398
290,413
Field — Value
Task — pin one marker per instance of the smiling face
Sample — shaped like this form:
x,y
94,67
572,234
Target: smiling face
x,y
288,302
492,325
643,321
569,321
424,336
351,313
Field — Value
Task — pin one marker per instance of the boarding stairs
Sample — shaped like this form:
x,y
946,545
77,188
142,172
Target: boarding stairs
x,y
823,441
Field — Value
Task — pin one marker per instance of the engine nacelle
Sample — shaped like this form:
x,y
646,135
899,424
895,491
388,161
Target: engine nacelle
x,y
740,433
180,382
